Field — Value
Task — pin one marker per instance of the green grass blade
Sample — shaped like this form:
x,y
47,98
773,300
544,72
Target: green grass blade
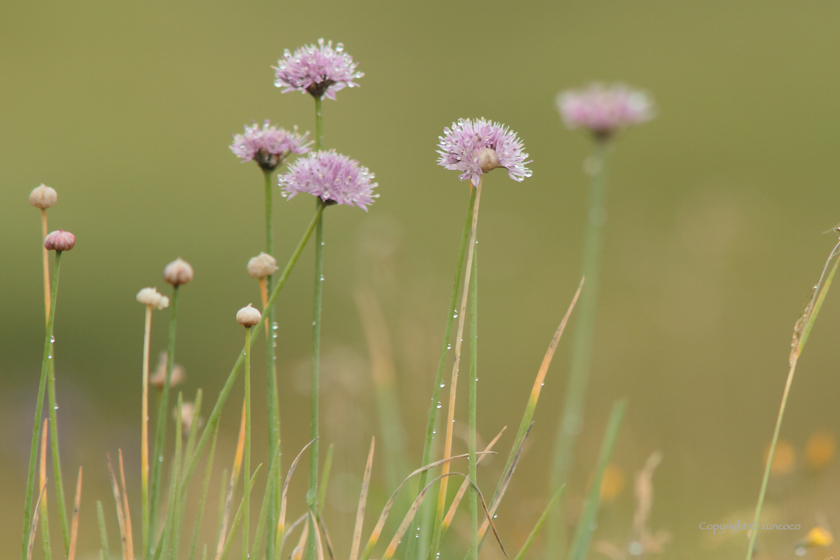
x,y
103,533
536,530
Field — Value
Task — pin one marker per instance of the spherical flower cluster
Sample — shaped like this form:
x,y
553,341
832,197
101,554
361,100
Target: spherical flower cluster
x,y
320,70
178,272
59,240
262,266
152,298
248,316
333,177
476,147
43,197
604,110
269,145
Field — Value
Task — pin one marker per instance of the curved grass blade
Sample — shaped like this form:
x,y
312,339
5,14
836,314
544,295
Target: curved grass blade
x,y
238,517
281,519
360,512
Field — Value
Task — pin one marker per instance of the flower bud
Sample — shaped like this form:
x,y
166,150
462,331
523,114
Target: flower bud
x,y
152,298
59,240
178,272
187,417
43,197
262,266
248,316
487,159
158,380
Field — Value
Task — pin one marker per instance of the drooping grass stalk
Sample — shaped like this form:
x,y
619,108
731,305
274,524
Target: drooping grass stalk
x,y
39,408
271,368
444,352
220,401
247,475
586,524
453,384
160,427
312,494
473,404
573,407
144,436
801,332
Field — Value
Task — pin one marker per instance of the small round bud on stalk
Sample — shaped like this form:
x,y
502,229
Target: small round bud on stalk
x,y
248,316
152,298
178,272
187,417
262,266
43,197
487,159
59,240
158,380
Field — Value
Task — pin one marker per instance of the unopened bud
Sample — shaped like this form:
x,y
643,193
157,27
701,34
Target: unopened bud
x,y
59,240
248,316
262,266
158,380
152,298
488,159
43,197
178,272
187,417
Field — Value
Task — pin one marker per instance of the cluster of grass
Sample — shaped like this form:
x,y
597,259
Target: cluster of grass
x,y
165,531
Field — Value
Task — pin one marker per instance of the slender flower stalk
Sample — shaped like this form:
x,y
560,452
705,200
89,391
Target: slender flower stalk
x,y
444,352
30,498
453,382
247,317
603,112
801,331
44,197
152,299
473,405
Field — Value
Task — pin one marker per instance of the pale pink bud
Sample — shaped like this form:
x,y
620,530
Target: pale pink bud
x,y
178,272
262,266
59,240
43,197
248,316
152,298
158,380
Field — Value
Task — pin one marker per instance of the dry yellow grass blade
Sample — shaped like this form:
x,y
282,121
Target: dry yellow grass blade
x,y
383,517
297,553
289,531
319,547
74,527
360,512
33,529
120,511
234,476
447,521
281,520
128,534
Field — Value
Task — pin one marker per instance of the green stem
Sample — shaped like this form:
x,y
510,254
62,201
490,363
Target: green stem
x,y
572,419
312,494
160,427
29,504
473,402
220,402
247,476
59,485
444,352
273,399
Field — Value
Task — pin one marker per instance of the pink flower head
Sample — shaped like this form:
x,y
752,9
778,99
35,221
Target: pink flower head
x,y
475,147
604,110
333,177
320,70
59,240
269,145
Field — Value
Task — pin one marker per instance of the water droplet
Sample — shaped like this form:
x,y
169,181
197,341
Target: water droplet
x,y
313,323
442,385
449,347
439,405
56,407
52,339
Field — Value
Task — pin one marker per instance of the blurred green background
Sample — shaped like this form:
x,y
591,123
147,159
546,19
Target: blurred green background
x,y
716,215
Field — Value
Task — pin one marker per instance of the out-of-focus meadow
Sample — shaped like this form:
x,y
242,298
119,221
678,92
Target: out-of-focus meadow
x,y
716,215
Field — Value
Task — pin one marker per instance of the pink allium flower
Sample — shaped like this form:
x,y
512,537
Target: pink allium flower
x,y
475,147
320,70
333,177
269,145
59,240
604,110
